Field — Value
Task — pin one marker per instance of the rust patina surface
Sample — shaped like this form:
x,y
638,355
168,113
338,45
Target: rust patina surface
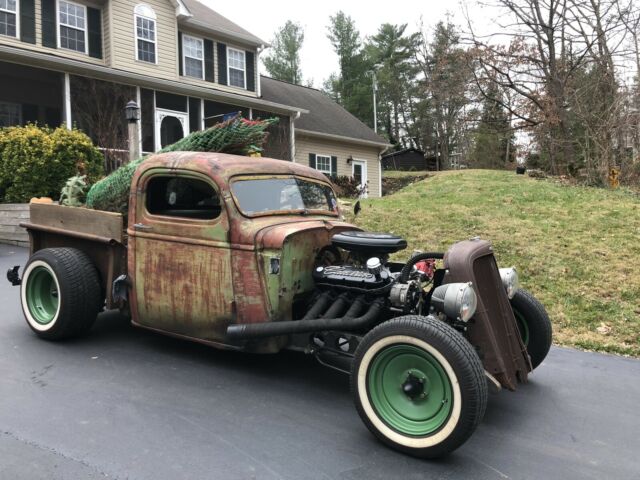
x,y
493,327
193,278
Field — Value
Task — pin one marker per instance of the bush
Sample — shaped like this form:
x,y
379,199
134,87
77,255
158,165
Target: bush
x,y
37,161
347,187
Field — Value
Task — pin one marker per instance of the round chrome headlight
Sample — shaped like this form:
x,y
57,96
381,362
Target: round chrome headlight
x,y
455,300
510,281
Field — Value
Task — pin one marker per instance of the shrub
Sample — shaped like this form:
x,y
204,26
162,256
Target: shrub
x,y
347,187
37,161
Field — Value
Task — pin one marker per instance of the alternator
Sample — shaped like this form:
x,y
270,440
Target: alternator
x,y
404,295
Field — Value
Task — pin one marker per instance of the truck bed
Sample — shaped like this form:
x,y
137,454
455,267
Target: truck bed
x,y
98,233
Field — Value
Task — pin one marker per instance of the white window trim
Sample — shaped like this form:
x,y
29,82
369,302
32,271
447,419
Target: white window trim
x,y
136,38
330,172
365,174
184,56
17,14
84,30
244,54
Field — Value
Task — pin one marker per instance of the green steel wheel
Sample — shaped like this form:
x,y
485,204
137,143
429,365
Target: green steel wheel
x,y
418,386
42,294
60,293
534,325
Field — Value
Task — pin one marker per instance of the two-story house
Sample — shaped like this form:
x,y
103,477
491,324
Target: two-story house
x,y
77,62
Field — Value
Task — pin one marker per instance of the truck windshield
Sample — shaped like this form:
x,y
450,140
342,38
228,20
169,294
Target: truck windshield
x,y
283,195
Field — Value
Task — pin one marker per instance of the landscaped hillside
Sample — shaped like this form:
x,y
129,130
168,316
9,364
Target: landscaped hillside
x,y
577,249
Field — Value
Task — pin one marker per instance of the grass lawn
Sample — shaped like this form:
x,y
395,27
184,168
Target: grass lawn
x,y
576,248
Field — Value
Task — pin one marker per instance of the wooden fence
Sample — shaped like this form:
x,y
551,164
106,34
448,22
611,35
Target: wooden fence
x,y
11,214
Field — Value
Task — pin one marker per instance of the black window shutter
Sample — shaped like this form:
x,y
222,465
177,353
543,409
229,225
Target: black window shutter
x,y
312,160
250,60
334,166
222,64
180,67
28,21
49,23
94,24
208,61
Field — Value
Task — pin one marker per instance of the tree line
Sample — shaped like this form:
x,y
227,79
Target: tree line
x,y
553,76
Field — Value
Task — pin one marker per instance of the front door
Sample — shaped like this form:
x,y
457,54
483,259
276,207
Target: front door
x,y
182,256
171,126
359,173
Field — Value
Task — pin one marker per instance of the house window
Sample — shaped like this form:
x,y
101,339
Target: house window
x,y
10,114
8,15
323,163
236,68
145,19
193,57
72,28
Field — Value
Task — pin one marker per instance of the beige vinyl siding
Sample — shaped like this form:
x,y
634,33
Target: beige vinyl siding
x,y
123,44
16,42
216,85
306,144
106,33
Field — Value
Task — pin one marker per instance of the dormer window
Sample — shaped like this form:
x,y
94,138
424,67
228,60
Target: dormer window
x,y
145,21
192,51
8,14
236,68
72,26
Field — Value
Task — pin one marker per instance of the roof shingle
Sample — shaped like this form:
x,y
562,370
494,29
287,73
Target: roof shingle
x,y
325,115
213,20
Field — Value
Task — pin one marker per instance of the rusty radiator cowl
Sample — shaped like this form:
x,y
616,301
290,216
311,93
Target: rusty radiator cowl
x,y
492,329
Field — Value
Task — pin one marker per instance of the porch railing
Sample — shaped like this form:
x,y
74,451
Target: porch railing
x,y
114,158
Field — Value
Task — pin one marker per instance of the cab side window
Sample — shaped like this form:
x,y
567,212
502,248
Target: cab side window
x,y
182,197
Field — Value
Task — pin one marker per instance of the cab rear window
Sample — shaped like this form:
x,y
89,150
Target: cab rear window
x,y
183,197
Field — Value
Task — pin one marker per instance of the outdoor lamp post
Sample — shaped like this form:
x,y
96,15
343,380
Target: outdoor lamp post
x,y
132,114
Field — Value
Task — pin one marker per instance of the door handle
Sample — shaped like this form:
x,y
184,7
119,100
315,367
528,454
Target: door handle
x,y
142,227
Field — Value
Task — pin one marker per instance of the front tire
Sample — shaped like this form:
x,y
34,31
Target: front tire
x,y
60,293
534,325
418,386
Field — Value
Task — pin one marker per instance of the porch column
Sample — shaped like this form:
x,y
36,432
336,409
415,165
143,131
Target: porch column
x,y
139,122
202,125
292,135
66,101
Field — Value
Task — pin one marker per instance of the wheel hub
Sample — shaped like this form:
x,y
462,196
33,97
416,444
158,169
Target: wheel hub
x,y
410,390
413,387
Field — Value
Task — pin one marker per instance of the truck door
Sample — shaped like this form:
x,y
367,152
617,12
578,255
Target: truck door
x,y
181,260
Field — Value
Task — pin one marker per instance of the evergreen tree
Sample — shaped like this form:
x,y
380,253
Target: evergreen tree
x,y
392,53
283,62
494,139
352,86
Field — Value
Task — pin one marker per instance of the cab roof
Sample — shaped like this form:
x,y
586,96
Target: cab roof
x,y
222,166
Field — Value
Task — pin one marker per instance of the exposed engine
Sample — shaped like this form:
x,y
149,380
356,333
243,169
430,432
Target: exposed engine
x,y
365,269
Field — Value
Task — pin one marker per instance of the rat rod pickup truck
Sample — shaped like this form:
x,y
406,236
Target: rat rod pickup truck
x,y
253,254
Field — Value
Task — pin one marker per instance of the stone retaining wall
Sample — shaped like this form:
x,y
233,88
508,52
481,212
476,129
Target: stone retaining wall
x,y
11,214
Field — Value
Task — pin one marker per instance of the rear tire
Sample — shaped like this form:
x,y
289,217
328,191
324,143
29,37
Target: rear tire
x,y
534,325
418,386
60,293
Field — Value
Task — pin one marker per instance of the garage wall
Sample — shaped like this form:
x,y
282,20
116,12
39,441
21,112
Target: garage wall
x,y
307,144
11,214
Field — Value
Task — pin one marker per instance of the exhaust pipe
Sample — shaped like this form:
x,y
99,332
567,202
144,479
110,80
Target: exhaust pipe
x,y
248,331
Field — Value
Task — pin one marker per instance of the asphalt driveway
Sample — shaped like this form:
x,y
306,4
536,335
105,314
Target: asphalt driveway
x,y
129,404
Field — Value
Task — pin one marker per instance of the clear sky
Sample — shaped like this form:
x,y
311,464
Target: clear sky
x,y
318,59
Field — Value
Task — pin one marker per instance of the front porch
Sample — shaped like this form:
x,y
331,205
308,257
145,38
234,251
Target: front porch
x,y
46,97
